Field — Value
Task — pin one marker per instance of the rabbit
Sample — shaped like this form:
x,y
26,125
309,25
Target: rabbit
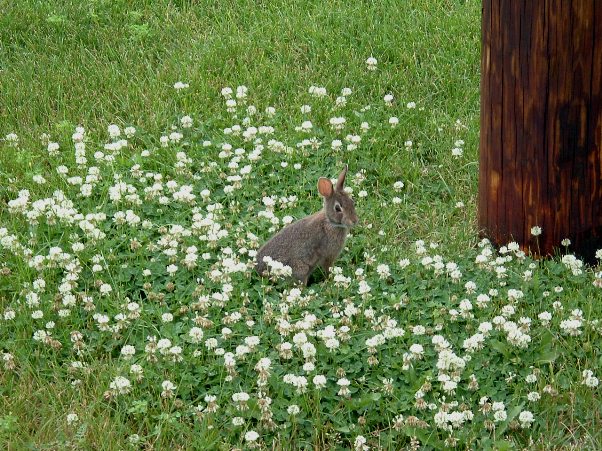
x,y
315,240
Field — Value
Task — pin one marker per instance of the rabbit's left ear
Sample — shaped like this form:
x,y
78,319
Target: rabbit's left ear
x,y
325,187
341,180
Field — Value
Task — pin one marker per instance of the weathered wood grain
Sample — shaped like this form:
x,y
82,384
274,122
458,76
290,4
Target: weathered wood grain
x,y
541,124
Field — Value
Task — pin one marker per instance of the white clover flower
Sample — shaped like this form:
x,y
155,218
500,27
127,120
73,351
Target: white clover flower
x,y
196,334
251,436
231,105
128,352
497,406
531,378
300,383
252,341
336,144
545,318
120,385
175,137
114,131
167,385
178,85
168,388
344,384
306,126
371,63
241,92
536,230
411,105
227,92
500,415
571,327
404,263
319,381
474,343
41,335
37,314
417,350
186,121
508,310
393,121
485,327
470,287
337,123
589,379
457,152
293,409
309,367
72,418
383,271
137,371
163,345
12,139
360,443
171,269
364,288
9,315
53,148
525,418
238,421
309,350
418,330
105,289
317,91
264,364
300,338
533,396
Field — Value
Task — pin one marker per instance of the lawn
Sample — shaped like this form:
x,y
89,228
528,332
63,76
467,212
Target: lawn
x,y
150,147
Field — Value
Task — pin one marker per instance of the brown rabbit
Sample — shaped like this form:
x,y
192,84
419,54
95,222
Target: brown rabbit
x,y
315,240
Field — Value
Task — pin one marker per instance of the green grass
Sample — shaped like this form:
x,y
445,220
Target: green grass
x,y
91,64
96,63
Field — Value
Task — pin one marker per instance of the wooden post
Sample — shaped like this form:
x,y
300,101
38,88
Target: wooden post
x,y
541,124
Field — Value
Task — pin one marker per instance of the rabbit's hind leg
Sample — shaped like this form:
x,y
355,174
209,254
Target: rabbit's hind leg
x,y
301,272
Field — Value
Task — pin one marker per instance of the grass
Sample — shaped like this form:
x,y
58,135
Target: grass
x,y
92,62
96,63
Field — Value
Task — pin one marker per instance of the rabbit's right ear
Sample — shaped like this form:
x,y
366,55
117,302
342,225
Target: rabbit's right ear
x,y
341,179
325,187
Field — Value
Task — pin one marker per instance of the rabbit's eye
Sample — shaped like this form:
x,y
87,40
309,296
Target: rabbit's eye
x,y
338,208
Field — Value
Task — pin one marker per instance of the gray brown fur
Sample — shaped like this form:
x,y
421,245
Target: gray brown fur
x,y
315,240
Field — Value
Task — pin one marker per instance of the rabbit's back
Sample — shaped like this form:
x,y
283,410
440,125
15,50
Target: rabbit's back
x,y
297,242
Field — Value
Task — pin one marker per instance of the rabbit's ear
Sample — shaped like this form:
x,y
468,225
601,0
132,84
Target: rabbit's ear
x,y
341,180
325,187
